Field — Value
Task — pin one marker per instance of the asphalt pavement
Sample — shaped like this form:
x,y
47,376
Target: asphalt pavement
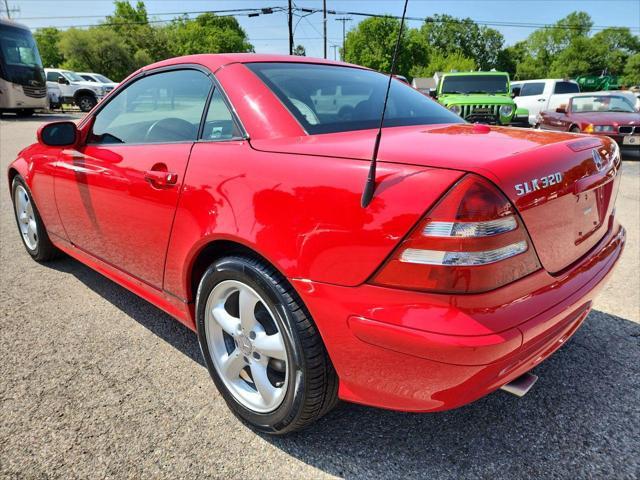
x,y
97,383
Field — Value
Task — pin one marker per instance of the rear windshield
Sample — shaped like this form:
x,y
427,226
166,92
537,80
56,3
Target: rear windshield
x,y
329,98
475,84
566,87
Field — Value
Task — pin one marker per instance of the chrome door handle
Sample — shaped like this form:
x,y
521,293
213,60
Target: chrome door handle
x,y
161,179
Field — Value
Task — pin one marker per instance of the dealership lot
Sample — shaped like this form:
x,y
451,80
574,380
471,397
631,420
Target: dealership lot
x,y
96,382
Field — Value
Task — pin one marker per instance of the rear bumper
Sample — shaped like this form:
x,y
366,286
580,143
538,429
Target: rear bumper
x,y
425,352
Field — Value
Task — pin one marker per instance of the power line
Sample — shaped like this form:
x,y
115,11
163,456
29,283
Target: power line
x,y
9,10
252,12
198,12
452,20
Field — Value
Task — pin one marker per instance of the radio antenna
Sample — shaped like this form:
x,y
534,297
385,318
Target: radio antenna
x,y
370,186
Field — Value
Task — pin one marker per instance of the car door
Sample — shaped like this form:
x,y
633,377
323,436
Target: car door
x,y
117,193
53,81
532,98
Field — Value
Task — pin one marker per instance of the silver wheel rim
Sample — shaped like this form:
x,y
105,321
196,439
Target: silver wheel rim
x,y
26,217
246,346
85,103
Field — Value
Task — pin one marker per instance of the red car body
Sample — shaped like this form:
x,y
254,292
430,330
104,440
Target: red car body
x,y
294,199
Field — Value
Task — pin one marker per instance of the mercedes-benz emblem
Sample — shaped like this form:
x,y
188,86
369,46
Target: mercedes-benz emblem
x,y
597,159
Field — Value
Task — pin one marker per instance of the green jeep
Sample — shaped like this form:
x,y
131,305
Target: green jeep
x,y
478,96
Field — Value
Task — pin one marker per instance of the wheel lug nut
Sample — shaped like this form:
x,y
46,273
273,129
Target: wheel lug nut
x,y
256,355
252,335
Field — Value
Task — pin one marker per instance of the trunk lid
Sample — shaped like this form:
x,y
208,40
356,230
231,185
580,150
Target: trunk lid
x,y
564,192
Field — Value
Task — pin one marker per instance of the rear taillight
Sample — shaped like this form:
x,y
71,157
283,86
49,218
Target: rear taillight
x,y
471,241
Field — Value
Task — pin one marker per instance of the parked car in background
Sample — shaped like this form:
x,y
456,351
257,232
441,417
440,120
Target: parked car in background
x,y
426,85
534,96
22,83
107,83
597,114
482,97
75,90
54,94
214,187
632,96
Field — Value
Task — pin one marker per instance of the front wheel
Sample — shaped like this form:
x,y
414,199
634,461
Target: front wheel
x,y
86,102
262,348
32,231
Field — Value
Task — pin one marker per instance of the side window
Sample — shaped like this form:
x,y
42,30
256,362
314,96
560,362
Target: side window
x,y
88,78
53,76
219,124
529,89
163,107
566,87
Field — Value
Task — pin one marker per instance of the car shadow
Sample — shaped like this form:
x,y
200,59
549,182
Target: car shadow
x,y
40,117
152,318
580,420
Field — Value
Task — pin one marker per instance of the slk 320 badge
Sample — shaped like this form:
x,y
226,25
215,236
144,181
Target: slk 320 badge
x,y
538,183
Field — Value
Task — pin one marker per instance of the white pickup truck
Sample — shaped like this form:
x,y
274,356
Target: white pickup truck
x,y
537,95
75,89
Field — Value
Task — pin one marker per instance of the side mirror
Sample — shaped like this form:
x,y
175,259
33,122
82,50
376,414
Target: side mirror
x,y
433,93
515,92
561,109
58,134
63,81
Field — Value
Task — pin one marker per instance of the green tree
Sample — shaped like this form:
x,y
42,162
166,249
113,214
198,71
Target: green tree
x,y
632,71
510,57
547,42
300,51
47,39
207,33
132,25
611,47
544,46
575,59
97,49
445,33
373,41
530,67
439,62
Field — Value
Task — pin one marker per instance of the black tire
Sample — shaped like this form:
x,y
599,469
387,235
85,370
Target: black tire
x,y
86,102
44,249
312,381
574,129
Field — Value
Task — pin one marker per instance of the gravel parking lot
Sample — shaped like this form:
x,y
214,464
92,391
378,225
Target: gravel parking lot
x,y
95,382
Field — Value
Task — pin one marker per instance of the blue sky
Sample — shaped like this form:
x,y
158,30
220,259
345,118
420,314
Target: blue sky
x,y
268,33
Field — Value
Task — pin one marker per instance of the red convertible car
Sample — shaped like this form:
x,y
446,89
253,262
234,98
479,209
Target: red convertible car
x,y
610,115
226,190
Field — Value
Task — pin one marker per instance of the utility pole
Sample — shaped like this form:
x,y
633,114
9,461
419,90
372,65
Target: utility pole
x,y
290,28
324,25
335,48
10,10
344,21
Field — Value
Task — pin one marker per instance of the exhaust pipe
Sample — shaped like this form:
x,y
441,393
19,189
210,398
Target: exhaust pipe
x,y
521,385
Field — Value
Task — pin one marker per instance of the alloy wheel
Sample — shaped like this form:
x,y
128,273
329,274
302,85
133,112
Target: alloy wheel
x,y
26,217
246,346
